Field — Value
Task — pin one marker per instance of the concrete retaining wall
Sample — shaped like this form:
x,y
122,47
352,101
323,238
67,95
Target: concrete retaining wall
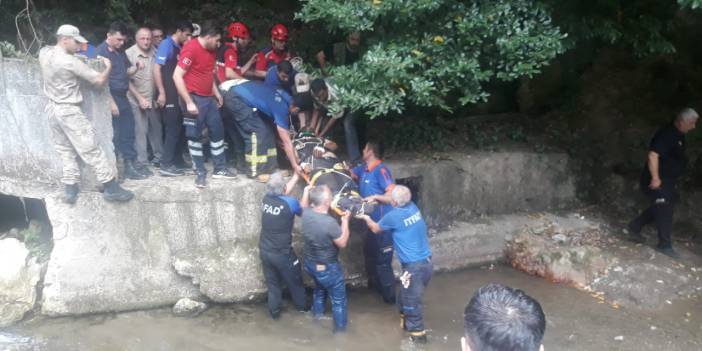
x,y
175,241
471,185
29,165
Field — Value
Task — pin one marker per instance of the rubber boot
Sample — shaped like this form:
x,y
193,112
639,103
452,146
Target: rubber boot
x,y
70,193
131,172
114,192
419,337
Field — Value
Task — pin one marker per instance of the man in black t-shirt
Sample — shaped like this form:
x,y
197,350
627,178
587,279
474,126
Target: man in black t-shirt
x,y
280,264
323,239
665,164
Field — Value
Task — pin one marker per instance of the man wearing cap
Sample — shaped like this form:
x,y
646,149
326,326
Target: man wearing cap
x,y
147,120
277,52
302,104
167,99
123,117
256,107
230,65
194,79
72,133
321,104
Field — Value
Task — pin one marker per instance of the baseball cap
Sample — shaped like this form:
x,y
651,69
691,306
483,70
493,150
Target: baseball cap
x,y
68,30
302,83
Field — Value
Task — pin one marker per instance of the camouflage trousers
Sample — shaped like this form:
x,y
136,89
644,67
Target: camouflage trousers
x,y
74,136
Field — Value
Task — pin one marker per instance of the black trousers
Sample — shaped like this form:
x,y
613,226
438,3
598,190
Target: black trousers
x,y
279,269
258,135
377,254
660,212
232,132
173,135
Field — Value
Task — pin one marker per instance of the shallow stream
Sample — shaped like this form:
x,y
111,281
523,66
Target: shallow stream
x,y
575,321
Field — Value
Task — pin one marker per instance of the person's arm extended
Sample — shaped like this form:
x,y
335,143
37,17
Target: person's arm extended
x,y
246,68
217,94
158,79
231,74
372,225
290,186
341,241
314,123
327,127
384,198
103,76
183,91
143,103
305,200
288,147
653,159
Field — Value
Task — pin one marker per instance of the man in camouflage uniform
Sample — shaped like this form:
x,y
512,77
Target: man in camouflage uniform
x,y
73,134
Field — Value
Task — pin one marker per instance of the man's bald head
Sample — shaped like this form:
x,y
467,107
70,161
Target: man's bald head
x,y
143,38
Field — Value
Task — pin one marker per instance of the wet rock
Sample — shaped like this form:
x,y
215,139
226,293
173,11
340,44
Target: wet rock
x,y
537,250
186,307
224,274
19,274
644,284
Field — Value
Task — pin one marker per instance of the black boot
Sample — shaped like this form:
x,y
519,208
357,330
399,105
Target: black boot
x,y
114,192
131,172
70,193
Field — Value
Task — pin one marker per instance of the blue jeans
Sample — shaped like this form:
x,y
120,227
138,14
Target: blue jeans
x,y
329,279
209,118
410,298
123,127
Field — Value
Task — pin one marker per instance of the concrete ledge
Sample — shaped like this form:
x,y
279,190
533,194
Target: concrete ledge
x,y
467,186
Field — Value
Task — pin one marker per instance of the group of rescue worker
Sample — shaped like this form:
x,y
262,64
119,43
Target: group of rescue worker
x,y
394,226
167,91
190,82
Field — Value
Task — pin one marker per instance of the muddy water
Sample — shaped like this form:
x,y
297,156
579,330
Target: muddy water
x,y
576,321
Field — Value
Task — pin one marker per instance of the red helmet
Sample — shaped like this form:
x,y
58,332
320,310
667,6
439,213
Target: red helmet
x,y
279,32
238,30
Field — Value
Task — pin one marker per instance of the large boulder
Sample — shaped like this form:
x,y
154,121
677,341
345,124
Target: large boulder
x,y
553,248
19,275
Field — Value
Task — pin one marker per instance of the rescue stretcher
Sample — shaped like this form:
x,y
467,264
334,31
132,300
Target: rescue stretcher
x,y
322,167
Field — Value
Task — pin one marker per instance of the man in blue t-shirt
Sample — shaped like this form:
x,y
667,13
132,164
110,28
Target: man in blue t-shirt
x,y
257,109
375,183
280,264
167,99
409,235
281,76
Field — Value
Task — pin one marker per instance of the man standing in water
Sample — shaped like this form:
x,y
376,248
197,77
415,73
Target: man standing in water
x,y
280,265
323,239
409,234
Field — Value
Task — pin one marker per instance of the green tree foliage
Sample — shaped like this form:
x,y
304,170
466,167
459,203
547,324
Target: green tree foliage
x,y
435,53
642,26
